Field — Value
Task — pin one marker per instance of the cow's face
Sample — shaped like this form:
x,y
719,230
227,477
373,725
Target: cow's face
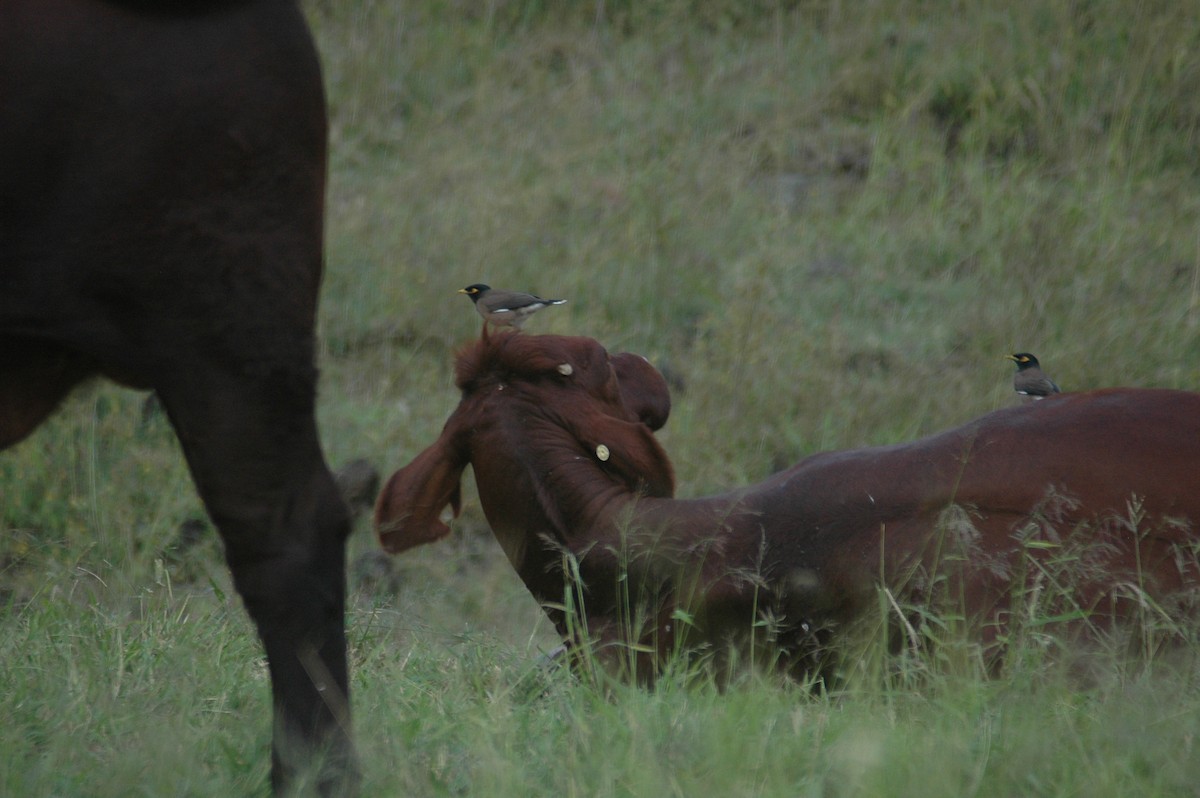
x,y
546,421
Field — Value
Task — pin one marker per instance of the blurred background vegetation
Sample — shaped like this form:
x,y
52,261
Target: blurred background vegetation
x,y
828,221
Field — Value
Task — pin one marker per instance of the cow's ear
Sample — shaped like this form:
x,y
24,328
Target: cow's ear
x,y
629,451
407,513
643,389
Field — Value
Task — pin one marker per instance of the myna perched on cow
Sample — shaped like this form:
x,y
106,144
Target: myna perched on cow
x,y
1030,380
505,308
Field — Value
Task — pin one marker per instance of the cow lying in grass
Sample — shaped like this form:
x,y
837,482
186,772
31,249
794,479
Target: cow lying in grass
x,y
1091,489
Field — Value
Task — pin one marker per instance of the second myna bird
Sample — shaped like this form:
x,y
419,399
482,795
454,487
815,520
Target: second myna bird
x,y
1030,380
505,308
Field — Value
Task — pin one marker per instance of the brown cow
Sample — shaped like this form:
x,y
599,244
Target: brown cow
x,y
1091,488
161,201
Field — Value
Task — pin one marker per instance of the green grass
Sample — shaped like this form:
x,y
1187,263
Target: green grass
x,y
830,220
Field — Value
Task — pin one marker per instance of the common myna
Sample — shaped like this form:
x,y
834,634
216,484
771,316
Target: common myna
x,y
1030,380
505,308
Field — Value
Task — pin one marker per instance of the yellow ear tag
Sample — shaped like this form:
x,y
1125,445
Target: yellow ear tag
x,y
602,453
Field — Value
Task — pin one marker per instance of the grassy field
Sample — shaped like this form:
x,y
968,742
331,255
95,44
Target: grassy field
x,y
830,221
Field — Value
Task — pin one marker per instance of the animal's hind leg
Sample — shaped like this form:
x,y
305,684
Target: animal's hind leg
x,y
251,443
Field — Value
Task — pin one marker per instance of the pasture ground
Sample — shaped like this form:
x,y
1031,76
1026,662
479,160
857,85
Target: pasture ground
x,y
830,221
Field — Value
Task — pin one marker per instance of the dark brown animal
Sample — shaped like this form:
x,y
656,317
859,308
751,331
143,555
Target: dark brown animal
x,y
162,170
1091,489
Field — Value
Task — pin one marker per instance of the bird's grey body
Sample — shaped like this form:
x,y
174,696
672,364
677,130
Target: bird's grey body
x,y
1030,380
505,308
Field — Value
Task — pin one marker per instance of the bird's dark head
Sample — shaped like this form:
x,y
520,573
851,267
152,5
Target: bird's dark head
x,y
1024,360
475,291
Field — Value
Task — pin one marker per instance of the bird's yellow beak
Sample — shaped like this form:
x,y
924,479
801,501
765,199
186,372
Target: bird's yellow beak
x,y
464,291
1013,358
